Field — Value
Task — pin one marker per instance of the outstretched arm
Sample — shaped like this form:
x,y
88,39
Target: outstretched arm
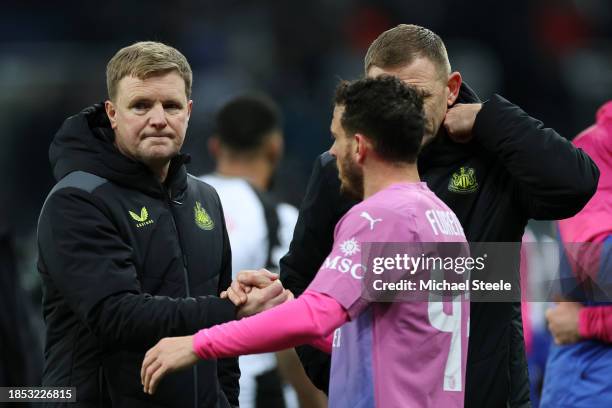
x,y
309,319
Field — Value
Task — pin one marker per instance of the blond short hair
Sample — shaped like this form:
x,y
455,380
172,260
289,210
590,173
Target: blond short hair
x,y
402,44
146,59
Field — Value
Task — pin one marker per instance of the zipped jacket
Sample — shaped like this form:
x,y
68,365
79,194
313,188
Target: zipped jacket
x,y
125,261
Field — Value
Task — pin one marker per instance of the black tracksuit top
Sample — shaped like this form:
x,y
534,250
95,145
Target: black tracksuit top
x,y
126,261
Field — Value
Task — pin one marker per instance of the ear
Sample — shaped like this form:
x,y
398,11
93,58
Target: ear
x,y
274,147
214,147
453,85
189,108
362,148
111,112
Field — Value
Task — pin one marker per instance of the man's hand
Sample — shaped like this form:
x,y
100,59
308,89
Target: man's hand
x,y
254,291
459,121
259,300
168,355
563,322
245,281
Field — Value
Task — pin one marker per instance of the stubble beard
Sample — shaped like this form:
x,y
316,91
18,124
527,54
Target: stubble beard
x,y
351,179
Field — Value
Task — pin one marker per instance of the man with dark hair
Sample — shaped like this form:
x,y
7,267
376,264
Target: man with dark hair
x,y
248,140
402,148
131,247
492,164
247,122
247,146
371,117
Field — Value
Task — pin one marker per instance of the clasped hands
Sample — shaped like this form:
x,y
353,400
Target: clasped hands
x,y
252,292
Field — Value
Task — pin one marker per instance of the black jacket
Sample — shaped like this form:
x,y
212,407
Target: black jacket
x,y
126,261
522,170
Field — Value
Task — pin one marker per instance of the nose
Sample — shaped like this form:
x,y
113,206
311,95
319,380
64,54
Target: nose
x,y
157,116
333,150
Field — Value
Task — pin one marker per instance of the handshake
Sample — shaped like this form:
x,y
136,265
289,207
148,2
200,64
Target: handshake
x,y
254,291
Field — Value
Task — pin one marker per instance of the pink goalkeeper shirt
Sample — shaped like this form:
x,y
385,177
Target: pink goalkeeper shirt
x,y
402,354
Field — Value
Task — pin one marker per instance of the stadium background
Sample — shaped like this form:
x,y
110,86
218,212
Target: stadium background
x,y
551,57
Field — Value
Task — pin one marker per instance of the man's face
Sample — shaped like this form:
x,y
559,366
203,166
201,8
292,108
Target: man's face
x,y
343,149
150,117
423,75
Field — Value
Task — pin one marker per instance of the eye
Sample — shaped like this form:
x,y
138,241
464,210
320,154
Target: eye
x,y
172,106
140,106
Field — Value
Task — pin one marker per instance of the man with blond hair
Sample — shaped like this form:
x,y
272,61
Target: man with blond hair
x,y
132,248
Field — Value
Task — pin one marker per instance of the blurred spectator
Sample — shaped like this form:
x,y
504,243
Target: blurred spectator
x,y
247,145
577,372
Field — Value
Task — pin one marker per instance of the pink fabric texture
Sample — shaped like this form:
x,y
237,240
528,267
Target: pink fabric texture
x,y
595,323
524,276
310,319
594,222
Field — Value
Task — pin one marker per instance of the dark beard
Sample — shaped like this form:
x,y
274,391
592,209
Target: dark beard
x,y
351,179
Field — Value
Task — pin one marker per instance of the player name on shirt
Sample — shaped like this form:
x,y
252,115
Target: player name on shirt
x,y
444,222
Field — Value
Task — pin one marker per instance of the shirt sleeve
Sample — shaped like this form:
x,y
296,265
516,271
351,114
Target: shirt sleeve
x,y
556,190
341,275
596,323
309,319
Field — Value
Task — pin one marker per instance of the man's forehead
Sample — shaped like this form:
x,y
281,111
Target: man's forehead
x,y
420,71
168,85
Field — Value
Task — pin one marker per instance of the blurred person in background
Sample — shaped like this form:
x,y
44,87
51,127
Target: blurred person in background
x,y
131,247
20,346
247,146
578,367
492,164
